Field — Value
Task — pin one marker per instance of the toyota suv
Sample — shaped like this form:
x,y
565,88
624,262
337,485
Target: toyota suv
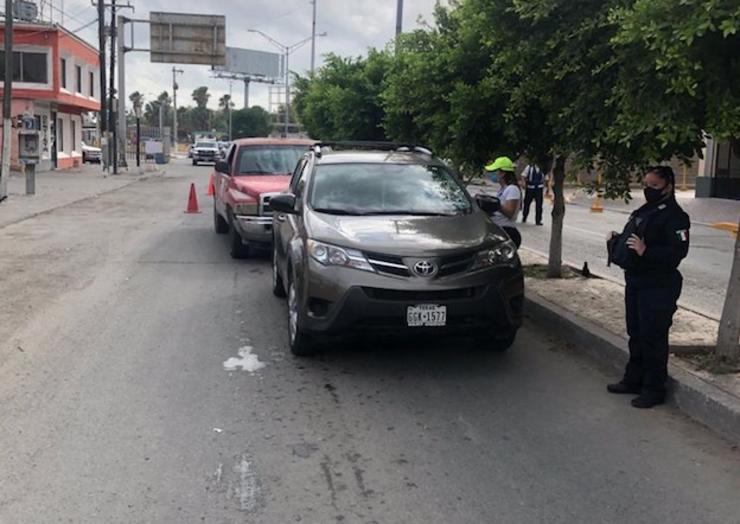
x,y
384,238
254,170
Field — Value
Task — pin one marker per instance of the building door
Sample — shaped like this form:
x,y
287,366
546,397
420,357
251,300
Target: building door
x,y
53,133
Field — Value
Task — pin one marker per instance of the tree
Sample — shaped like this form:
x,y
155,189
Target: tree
x,y
341,100
690,58
201,113
225,103
151,110
251,122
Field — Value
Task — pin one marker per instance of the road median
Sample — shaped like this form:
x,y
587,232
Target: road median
x,y
589,314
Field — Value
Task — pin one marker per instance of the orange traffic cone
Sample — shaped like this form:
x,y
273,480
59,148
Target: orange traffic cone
x,y
211,188
192,201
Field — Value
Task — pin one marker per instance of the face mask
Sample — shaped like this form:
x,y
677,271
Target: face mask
x,y
653,195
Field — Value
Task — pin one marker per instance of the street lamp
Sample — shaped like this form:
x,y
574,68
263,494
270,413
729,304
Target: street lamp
x,y
286,50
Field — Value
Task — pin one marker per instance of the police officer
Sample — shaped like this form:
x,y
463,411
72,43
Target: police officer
x,y
650,248
534,181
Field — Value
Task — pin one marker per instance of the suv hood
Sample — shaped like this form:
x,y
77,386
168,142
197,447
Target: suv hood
x,y
256,185
404,235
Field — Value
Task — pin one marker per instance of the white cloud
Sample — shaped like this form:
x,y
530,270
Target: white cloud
x,y
352,26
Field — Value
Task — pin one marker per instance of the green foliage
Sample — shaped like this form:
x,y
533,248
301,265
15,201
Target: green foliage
x,y
679,71
252,122
152,109
341,102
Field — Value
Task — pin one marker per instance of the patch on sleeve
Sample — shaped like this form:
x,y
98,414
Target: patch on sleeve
x,y
683,235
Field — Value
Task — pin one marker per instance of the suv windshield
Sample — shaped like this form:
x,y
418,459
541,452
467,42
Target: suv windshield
x,y
211,145
269,160
387,189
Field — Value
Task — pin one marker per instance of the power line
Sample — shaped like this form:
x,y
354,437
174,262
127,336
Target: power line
x,y
91,22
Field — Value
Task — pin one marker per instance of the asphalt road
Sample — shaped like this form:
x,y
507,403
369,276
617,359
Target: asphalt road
x,y
119,312
706,270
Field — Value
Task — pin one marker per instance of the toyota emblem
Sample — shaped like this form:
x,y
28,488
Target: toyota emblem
x,y
424,268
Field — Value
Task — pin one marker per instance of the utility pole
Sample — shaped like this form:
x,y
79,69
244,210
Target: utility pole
x,y
175,87
111,106
399,17
246,93
122,127
313,38
102,119
7,99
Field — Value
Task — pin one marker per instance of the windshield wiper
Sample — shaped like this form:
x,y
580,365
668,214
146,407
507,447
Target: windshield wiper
x,y
411,213
334,211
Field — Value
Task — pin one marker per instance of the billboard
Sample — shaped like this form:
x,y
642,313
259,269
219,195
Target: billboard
x,y
187,38
252,63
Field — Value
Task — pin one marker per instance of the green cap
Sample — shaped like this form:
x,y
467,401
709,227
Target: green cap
x,y
502,163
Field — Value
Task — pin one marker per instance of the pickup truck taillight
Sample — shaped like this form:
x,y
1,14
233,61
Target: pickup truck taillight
x,y
251,208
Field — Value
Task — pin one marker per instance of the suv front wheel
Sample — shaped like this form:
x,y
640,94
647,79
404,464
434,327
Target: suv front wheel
x,y
301,344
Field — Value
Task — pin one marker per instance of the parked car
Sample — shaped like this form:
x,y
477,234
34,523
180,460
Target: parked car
x,y
223,148
205,151
384,238
254,170
91,154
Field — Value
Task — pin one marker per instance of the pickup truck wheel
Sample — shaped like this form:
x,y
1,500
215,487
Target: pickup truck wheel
x,y
195,162
219,224
278,289
238,249
301,344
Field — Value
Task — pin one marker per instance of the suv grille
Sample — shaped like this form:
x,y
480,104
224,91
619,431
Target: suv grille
x,y
394,265
388,264
397,295
451,264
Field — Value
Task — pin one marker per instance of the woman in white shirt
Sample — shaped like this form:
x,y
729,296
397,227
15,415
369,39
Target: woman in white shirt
x,y
502,171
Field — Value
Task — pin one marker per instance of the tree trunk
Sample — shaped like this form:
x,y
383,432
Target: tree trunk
x,y
555,262
729,326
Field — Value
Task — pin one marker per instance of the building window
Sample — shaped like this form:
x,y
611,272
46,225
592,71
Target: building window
x,y
74,134
60,135
92,84
63,72
27,67
78,86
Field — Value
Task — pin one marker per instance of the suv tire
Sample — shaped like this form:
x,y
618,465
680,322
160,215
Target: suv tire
x,y
195,162
220,225
278,289
301,344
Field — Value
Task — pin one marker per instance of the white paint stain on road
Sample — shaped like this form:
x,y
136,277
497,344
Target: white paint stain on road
x,y
247,491
246,361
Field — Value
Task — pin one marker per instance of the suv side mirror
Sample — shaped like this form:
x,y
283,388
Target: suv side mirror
x,y
284,203
222,167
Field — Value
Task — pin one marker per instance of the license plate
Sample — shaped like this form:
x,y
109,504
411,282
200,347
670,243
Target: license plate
x,y
426,315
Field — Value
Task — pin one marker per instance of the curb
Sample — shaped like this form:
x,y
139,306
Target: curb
x,y
703,402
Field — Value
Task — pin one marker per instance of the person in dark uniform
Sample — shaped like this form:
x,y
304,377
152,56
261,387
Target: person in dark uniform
x,y
534,183
650,249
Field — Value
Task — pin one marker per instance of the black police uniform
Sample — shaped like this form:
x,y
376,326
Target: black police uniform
x,y
535,180
653,287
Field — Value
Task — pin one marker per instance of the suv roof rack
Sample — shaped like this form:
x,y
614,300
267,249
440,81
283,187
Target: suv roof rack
x,y
370,146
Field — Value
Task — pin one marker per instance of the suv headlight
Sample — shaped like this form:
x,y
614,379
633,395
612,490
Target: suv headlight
x,y
502,254
247,209
328,255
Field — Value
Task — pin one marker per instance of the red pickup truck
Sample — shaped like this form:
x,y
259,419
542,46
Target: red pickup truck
x,y
254,170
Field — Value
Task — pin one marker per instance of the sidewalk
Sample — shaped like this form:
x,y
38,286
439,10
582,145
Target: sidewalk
x,y
56,189
705,211
590,313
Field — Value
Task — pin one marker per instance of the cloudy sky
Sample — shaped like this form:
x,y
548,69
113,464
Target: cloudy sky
x,y
352,27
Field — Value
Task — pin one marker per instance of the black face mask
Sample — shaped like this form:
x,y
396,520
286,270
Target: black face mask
x,y
653,195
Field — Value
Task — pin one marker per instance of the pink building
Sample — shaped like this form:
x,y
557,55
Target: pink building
x,y
56,79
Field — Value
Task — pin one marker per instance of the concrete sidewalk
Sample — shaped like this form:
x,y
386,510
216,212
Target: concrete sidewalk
x,y
705,211
56,189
